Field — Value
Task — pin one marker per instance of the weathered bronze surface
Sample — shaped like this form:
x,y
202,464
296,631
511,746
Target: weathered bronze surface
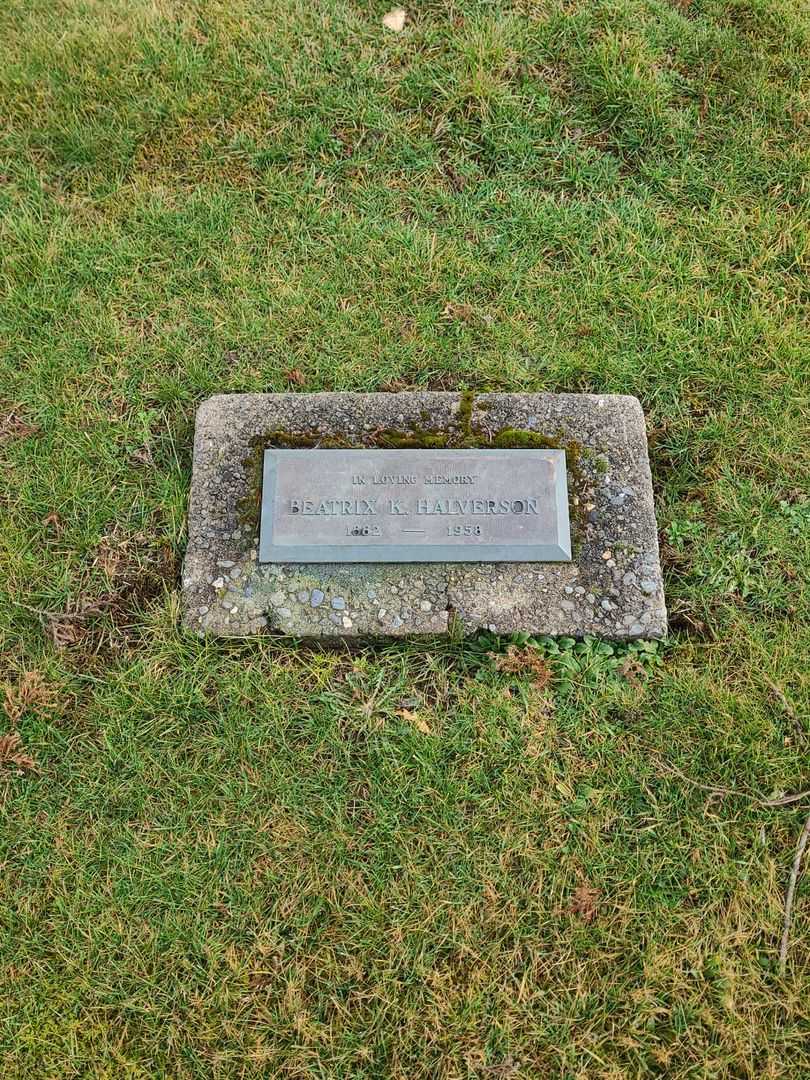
x,y
398,506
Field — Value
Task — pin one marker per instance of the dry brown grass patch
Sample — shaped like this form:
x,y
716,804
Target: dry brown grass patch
x,y
13,754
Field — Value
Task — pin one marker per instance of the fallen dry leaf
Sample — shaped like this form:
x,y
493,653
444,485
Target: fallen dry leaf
x,y
114,554
12,753
64,632
31,694
445,381
142,456
415,719
12,426
143,328
53,521
67,628
395,19
632,671
584,902
456,181
525,661
458,312
295,376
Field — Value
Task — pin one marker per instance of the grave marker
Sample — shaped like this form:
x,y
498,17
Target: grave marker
x,y
390,506
302,504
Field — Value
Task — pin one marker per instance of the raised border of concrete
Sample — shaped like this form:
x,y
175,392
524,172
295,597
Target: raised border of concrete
x,y
611,589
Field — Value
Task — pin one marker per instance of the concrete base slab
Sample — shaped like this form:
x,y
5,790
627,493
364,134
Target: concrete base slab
x,y
611,589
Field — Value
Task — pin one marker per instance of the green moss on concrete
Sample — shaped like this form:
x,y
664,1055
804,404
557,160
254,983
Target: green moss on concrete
x,y
465,408
418,439
249,505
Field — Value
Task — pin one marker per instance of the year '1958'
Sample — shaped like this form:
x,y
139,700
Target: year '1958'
x,y
375,530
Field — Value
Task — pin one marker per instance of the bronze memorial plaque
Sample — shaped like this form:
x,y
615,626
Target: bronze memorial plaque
x,y
400,506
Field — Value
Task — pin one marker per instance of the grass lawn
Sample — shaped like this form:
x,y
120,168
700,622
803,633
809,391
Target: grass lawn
x,y
415,861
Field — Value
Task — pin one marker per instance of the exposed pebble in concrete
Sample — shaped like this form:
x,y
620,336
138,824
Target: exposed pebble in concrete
x,y
338,603
316,598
